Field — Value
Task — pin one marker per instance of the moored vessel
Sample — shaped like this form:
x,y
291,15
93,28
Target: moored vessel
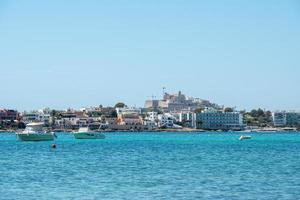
x,y
245,137
86,133
35,132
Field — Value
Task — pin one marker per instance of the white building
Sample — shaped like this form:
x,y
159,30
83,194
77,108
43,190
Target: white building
x,y
217,120
279,118
165,121
187,119
42,115
286,118
150,125
152,116
127,110
29,117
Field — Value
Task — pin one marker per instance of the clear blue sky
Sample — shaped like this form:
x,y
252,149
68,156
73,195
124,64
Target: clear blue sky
x,y
78,53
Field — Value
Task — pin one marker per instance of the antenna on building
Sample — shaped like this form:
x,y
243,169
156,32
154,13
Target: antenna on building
x,y
164,90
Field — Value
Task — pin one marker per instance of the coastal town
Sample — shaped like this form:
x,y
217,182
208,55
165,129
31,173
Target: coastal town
x,y
174,112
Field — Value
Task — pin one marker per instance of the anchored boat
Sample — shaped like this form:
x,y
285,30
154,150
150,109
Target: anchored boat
x,y
86,133
34,132
245,137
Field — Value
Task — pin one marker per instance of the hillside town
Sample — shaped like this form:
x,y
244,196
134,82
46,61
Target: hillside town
x,y
174,112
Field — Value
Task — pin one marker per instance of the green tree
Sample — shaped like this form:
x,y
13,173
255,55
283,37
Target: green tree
x,y
258,117
198,110
228,109
114,113
120,105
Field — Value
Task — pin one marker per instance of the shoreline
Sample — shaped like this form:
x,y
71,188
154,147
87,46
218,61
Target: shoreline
x,y
174,131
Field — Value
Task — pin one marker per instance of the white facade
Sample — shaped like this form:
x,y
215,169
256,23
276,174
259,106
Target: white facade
x,y
286,118
150,125
187,119
42,115
152,116
279,118
215,120
126,110
165,121
29,117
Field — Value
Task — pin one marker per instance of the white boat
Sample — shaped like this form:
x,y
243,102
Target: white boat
x,y
34,132
86,133
245,137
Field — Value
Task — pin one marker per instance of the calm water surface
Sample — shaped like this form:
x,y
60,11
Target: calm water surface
x,y
152,166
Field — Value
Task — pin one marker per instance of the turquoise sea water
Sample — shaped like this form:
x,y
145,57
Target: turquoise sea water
x,y
152,166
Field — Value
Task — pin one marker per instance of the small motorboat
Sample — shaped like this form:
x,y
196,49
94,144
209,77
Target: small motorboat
x,y
35,132
86,133
245,137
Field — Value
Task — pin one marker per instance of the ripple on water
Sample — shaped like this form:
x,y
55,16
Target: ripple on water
x,y
152,166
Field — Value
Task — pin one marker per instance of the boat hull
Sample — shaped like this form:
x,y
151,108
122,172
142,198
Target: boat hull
x,y
245,138
89,135
36,137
